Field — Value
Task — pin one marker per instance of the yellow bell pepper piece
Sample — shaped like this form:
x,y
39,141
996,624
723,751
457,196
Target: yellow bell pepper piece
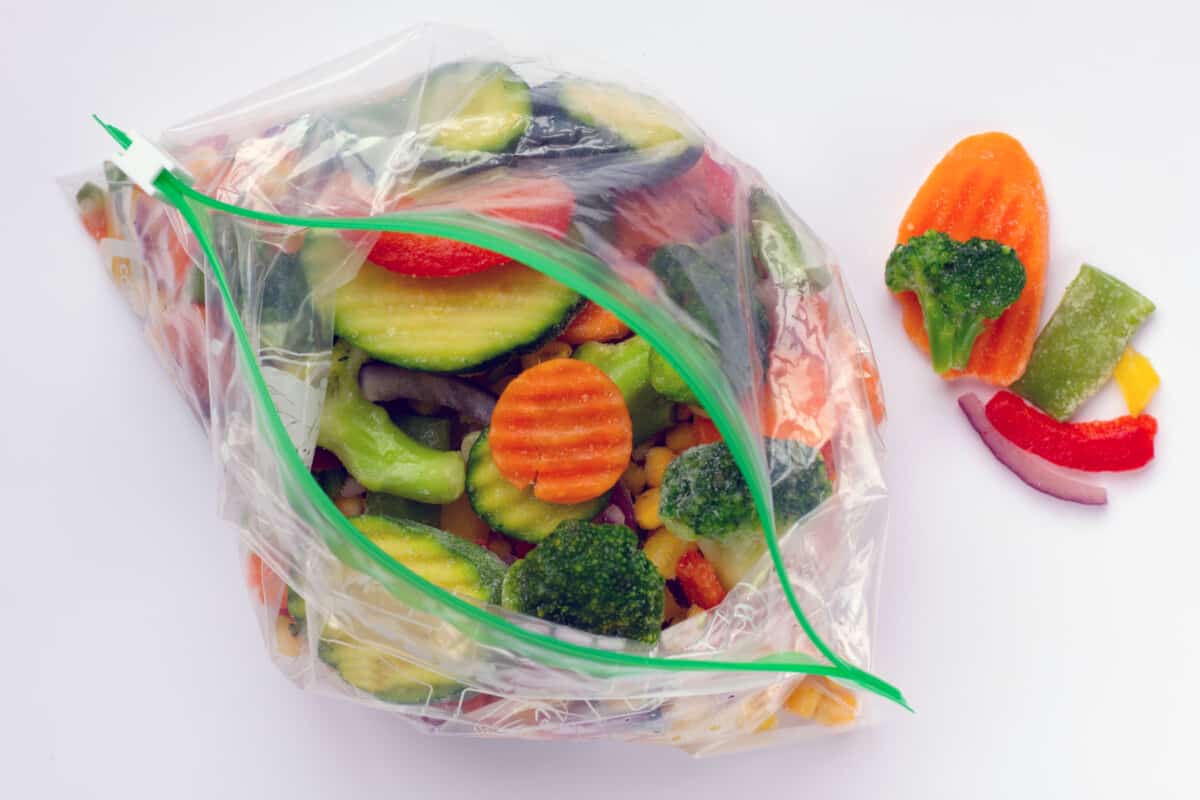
x,y
1137,379
664,549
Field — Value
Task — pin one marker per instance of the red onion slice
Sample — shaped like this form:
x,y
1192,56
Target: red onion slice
x,y
1034,470
383,382
619,510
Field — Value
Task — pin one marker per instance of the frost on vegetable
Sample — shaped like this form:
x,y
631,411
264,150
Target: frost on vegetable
x,y
1076,352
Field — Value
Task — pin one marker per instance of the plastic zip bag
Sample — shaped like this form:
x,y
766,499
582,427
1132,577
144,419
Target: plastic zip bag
x,y
263,249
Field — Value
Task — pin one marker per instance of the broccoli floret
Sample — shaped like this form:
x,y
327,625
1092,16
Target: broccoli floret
x,y
959,286
704,496
592,577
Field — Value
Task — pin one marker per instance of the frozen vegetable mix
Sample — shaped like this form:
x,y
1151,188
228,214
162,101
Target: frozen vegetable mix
x,y
525,396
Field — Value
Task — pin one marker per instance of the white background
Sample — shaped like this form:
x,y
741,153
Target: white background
x,y
1050,650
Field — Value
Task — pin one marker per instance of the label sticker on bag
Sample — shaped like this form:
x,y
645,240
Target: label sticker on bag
x,y
298,402
124,263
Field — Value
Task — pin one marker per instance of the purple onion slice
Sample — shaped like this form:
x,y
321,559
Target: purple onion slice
x,y
1033,469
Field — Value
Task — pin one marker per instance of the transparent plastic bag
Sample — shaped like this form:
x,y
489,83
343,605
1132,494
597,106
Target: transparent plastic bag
x,y
243,264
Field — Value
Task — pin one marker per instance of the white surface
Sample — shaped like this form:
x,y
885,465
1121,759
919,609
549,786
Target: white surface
x,y
1051,651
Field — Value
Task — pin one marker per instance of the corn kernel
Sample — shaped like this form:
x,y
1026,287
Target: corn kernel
x,y
645,510
833,713
657,460
768,724
803,700
664,549
634,479
820,699
547,352
839,706
838,693
672,611
681,437
350,506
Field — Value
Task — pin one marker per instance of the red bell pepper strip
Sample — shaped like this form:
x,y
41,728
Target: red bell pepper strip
x,y
699,580
264,583
1113,445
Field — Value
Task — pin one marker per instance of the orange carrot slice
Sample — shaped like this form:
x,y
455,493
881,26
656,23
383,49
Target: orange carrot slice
x,y
795,402
870,376
264,583
794,398
562,426
594,324
987,186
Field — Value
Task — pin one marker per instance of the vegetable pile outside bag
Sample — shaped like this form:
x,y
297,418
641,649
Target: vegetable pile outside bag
x,y
244,263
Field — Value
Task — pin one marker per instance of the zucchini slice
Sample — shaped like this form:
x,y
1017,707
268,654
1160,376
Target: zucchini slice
x,y
473,107
389,678
618,140
455,324
449,561
639,120
441,558
514,511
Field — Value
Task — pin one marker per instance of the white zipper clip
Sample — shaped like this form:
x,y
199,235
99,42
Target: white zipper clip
x,y
143,162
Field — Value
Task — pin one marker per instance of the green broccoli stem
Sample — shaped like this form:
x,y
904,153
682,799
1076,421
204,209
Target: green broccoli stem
x,y
950,341
964,343
941,337
374,450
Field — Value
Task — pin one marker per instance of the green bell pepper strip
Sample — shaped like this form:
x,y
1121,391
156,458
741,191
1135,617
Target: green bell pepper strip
x,y
1077,351
382,456
627,363
592,278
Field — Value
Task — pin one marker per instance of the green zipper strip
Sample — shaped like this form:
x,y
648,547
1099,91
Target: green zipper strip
x,y
591,278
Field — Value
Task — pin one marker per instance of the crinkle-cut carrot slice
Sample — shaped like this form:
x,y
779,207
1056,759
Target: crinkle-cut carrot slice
x,y
563,427
987,186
